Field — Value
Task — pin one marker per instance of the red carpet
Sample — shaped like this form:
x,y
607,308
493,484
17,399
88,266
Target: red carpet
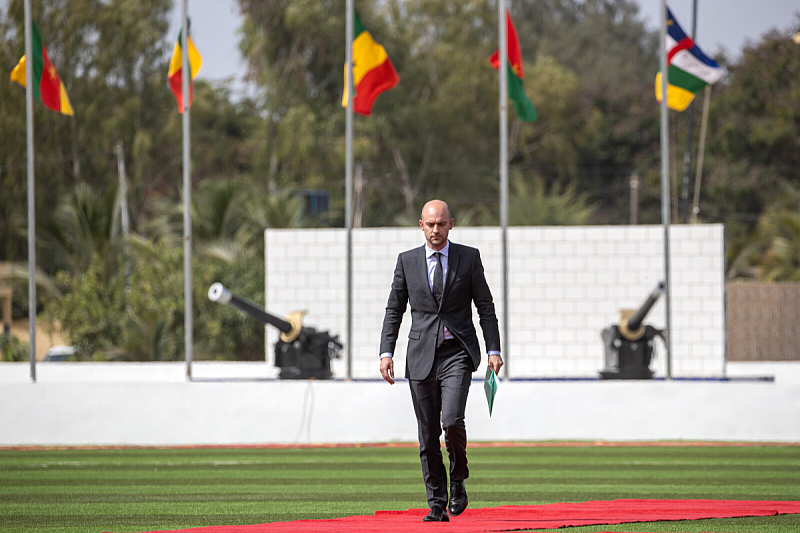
x,y
515,517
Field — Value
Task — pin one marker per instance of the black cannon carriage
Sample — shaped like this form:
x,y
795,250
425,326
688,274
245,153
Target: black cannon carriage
x,y
629,345
300,352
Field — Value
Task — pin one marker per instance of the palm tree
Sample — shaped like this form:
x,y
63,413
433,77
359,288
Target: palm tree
x,y
533,205
773,251
81,225
228,217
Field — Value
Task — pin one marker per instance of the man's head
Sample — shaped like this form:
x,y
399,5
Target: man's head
x,y
436,222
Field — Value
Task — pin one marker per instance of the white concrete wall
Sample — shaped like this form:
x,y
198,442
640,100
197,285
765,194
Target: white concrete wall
x,y
233,403
565,285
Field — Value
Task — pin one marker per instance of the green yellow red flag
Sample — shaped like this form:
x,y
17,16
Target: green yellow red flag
x,y
47,85
373,72
175,74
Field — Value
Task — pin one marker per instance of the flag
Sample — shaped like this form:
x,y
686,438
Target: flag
x,y
47,87
373,71
516,91
688,70
176,66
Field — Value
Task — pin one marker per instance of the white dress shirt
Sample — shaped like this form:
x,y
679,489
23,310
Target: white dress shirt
x,y
431,258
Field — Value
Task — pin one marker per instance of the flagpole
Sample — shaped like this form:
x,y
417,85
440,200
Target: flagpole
x,y
687,155
124,219
348,216
700,155
502,73
186,78
31,199
665,181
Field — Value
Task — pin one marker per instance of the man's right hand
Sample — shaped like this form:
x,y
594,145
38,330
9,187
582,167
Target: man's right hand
x,y
387,369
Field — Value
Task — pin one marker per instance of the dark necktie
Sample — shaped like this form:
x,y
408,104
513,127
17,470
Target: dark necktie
x,y
438,278
438,288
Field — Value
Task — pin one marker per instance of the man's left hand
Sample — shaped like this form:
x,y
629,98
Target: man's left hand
x,y
496,362
387,369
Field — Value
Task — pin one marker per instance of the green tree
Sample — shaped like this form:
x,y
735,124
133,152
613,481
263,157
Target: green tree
x,y
609,125
81,225
753,133
12,349
772,251
140,317
436,132
92,311
535,205
299,74
113,57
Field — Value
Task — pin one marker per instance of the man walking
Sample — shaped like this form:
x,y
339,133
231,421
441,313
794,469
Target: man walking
x,y
440,280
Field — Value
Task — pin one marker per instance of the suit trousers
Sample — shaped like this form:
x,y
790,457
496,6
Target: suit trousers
x,y
440,401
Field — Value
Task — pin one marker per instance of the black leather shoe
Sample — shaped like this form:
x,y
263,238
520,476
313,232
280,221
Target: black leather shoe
x,y
437,514
458,497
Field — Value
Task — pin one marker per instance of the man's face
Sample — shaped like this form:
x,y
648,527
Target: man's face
x,y
436,226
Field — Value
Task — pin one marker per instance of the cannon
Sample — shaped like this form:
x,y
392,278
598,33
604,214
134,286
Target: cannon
x,y
629,345
300,352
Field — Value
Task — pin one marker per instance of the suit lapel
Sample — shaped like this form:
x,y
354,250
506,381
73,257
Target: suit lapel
x,y
452,265
422,272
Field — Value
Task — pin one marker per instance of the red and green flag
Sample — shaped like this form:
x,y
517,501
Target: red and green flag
x,y
175,74
47,85
516,90
373,72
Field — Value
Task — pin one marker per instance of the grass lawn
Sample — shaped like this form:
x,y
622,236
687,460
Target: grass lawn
x,y
144,489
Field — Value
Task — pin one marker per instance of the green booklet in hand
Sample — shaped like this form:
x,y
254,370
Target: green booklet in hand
x,y
490,387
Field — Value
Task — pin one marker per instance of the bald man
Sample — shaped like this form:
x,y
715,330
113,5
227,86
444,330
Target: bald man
x,y
440,280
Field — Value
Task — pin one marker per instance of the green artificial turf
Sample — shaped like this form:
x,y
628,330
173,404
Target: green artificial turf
x,y
144,489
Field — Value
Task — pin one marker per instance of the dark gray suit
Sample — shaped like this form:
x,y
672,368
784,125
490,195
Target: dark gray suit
x,y
440,378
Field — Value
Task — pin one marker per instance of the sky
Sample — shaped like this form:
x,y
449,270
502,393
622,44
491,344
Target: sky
x,y
726,24
215,27
723,25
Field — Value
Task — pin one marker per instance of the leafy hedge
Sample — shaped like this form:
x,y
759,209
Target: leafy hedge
x,y
142,319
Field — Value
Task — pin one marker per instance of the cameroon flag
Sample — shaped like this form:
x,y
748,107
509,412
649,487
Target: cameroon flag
x,y
175,74
47,87
373,72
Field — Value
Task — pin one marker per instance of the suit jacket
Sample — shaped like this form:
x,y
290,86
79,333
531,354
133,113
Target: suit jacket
x,y
465,284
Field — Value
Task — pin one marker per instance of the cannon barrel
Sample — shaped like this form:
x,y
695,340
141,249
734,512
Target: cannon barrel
x,y
629,344
635,321
289,328
631,328
300,352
